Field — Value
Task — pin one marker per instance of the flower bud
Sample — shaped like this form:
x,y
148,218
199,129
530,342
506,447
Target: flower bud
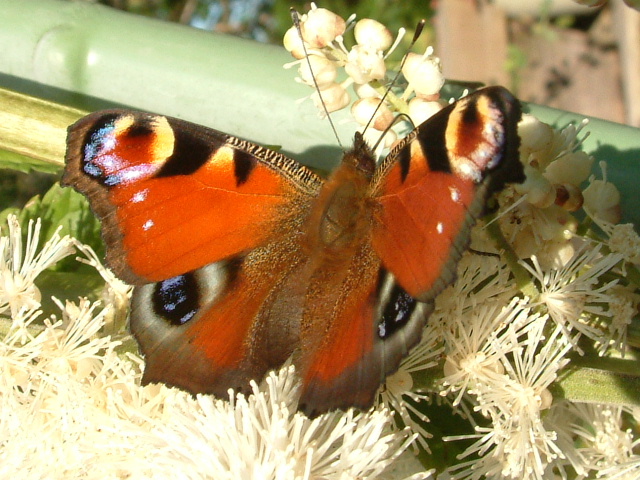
x,y
421,109
363,110
364,90
372,137
365,64
320,27
322,68
400,382
573,168
373,34
602,201
569,197
540,192
423,73
334,96
293,43
534,134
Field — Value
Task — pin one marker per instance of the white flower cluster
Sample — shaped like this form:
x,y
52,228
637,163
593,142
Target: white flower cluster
x,y
503,351
71,407
321,52
565,257
543,223
494,351
504,331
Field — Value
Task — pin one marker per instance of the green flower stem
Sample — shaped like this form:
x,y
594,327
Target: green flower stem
x,y
523,279
399,105
595,379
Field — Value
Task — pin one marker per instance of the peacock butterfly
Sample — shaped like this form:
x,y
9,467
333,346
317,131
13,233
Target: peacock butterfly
x,y
243,258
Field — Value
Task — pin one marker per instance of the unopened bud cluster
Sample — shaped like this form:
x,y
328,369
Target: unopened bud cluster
x,y
553,168
556,169
365,65
542,221
555,172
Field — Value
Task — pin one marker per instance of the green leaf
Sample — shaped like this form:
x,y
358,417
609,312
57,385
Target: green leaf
x,y
26,164
65,208
68,286
594,379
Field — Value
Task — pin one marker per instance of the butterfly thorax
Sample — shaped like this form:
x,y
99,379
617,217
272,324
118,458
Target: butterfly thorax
x,y
341,218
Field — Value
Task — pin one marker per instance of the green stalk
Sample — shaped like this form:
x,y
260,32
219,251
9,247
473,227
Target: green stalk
x,y
33,132
521,275
595,379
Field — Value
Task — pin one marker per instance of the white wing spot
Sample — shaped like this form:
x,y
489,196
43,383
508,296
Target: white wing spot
x,y
147,225
455,194
469,170
140,196
440,227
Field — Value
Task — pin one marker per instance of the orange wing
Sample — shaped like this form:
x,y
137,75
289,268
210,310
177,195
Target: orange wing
x,y
173,196
222,325
423,200
434,185
365,325
215,222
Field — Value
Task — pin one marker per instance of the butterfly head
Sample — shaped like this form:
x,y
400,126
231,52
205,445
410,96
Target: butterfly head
x,y
361,157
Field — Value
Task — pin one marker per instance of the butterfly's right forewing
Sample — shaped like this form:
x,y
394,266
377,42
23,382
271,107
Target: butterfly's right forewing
x,y
210,228
174,196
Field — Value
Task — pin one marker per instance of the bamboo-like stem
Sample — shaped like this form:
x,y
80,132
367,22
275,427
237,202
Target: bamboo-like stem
x,y
33,130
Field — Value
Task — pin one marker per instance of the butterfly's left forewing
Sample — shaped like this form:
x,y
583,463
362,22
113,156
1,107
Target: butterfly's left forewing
x,y
433,187
173,196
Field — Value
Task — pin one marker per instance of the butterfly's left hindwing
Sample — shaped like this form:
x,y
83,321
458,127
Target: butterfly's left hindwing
x,y
222,325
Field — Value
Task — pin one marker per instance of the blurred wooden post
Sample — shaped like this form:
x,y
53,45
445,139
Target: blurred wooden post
x,y
471,39
627,27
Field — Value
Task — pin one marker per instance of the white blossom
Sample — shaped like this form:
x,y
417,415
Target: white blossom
x,y
574,295
20,266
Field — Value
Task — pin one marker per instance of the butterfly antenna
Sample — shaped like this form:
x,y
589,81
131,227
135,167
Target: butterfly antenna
x,y
416,35
397,119
295,16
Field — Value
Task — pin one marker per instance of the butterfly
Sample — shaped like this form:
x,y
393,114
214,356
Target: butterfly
x,y
243,258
